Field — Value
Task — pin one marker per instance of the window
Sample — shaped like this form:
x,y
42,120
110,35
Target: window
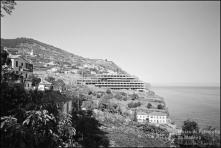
x,y
21,64
16,63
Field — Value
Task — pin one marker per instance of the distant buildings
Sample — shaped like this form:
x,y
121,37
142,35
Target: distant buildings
x,y
113,81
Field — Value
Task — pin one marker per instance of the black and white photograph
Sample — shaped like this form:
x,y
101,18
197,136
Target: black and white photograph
x,y
110,74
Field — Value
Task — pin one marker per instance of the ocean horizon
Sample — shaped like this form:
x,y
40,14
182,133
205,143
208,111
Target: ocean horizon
x,y
198,103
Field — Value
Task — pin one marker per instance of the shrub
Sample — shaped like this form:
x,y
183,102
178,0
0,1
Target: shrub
x,y
134,96
160,106
134,105
118,96
50,79
125,98
149,105
108,91
108,96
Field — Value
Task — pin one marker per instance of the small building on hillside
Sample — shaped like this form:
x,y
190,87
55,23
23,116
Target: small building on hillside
x,y
44,85
158,117
28,84
21,66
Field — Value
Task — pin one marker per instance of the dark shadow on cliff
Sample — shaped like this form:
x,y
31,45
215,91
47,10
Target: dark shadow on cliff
x,y
88,132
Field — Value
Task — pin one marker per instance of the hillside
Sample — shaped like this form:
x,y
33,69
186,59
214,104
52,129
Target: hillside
x,y
46,57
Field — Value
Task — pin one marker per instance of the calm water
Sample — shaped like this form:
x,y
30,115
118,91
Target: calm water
x,y
201,104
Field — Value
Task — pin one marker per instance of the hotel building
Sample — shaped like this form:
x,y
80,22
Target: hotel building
x,y
113,81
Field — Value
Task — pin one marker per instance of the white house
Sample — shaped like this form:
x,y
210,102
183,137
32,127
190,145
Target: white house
x,y
44,85
142,117
158,117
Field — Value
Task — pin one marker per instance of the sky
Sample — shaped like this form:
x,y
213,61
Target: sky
x,y
167,42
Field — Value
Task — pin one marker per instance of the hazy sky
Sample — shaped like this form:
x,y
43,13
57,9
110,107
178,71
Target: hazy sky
x,y
160,42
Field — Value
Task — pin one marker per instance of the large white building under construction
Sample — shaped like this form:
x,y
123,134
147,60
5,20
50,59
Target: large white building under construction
x,y
113,81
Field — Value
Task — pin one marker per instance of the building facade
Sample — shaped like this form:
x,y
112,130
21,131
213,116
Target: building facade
x,y
113,81
153,117
158,117
44,85
142,117
22,67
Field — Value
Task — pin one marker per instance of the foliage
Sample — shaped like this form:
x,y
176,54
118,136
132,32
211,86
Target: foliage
x,y
87,130
190,127
134,105
104,104
7,6
155,131
160,106
32,119
89,105
35,80
118,96
149,105
65,129
58,85
4,57
191,136
134,97
50,79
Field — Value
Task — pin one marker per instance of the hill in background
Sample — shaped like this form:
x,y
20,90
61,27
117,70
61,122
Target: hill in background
x,y
46,57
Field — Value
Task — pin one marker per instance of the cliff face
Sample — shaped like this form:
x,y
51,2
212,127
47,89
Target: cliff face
x,y
46,56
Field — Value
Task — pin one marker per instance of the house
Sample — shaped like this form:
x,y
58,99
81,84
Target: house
x,y
28,84
44,85
21,66
142,117
24,68
158,117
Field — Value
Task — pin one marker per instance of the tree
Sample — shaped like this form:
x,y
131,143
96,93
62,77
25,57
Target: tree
x,y
35,81
160,106
134,96
190,127
108,91
149,105
134,105
50,79
7,6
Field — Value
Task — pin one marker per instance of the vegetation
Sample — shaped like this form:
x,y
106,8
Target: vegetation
x,y
7,6
191,136
134,97
134,105
35,80
160,106
50,79
149,105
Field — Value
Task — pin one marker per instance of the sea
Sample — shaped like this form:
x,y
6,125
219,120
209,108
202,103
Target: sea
x,y
201,104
